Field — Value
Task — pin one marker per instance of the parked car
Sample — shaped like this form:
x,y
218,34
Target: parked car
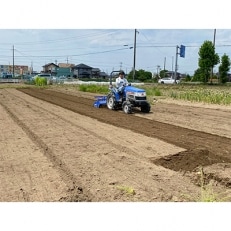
x,y
7,76
54,79
168,80
61,79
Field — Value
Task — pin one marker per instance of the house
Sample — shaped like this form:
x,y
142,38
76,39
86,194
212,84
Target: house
x,y
71,70
82,71
95,72
50,68
103,75
64,69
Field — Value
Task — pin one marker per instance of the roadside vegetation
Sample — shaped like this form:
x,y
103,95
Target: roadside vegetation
x,y
40,81
102,89
220,95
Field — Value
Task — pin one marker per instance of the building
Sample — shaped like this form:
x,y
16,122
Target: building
x,y
95,72
50,68
64,69
71,70
17,70
103,75
82,71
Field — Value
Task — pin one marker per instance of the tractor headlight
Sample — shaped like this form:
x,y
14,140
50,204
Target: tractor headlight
x,y
140,94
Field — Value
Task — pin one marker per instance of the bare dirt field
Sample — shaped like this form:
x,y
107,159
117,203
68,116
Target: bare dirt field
x,y
55,146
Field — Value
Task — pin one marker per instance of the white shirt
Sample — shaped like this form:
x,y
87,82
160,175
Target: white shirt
x,y
120,82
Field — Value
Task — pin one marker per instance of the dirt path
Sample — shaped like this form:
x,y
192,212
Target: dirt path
x,y
67,150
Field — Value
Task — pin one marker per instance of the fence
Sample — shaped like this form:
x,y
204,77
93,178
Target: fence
x,y
10,80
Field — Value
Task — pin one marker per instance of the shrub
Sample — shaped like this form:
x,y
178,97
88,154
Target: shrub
x,y
40,81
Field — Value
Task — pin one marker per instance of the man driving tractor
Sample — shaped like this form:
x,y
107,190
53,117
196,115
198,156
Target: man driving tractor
x,y
121,82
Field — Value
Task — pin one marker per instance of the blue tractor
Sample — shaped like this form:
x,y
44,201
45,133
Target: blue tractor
x,y
129,98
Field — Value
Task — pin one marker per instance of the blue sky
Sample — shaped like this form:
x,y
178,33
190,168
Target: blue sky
x,y
95,32
109,49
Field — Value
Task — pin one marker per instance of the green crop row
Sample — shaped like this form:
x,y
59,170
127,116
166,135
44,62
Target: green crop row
x,y
203,95
212,95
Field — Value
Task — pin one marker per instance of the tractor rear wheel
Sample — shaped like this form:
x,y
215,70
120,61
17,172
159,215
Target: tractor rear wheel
x,y
127,107
111,102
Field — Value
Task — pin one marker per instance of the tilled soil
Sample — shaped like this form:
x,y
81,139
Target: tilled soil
x,y
83,153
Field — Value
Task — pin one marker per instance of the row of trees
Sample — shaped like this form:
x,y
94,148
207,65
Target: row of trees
x,y
208,58
140,75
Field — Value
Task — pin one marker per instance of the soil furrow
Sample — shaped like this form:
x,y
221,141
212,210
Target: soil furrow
x,y
179,136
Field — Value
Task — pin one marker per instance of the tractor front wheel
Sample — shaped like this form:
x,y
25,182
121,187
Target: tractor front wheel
x,y
127,107
145,108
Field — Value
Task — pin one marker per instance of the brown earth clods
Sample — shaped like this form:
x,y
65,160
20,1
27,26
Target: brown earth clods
x,y
55,146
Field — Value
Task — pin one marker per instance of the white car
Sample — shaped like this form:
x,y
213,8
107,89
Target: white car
x,y
168,81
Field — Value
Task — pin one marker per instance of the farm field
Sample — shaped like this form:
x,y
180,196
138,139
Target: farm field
x,y
56,147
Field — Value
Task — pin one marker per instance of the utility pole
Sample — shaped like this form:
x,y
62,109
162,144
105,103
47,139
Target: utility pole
x,y
172,66
214,38
134,57
182,54
164,66
13,61
157,70
31,68
175,75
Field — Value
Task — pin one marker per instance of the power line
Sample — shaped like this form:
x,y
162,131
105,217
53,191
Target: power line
x,y
83,54
90,35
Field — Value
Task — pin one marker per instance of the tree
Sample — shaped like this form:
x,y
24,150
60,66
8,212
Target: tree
x,y
163,73
188,78
198,76
207,59
224,68
140,75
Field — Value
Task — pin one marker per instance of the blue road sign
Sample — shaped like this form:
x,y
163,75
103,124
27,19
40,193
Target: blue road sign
x,y
182,51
